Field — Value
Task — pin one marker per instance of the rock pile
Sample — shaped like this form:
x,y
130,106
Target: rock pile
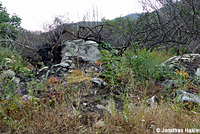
x,y
188,66
189,63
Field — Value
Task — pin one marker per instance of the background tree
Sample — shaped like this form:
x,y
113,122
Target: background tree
x,y
9,25
118,31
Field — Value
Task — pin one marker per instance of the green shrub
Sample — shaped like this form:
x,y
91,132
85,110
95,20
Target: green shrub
x,y
9,59
146,65
105,46
142,64
113,65
16,62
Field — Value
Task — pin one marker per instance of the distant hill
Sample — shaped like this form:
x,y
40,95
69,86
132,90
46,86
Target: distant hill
x,y
90,23
132,16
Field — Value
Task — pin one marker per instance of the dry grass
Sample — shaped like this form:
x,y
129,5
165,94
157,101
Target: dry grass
x,y
63,118
140,120
146,120
45,120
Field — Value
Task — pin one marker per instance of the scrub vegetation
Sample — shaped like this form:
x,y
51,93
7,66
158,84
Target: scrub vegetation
x,y
131,58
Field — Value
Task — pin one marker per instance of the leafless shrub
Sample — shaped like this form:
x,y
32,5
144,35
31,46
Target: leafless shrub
x,y
176,24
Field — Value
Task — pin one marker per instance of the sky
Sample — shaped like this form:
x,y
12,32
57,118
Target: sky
x,y
36,13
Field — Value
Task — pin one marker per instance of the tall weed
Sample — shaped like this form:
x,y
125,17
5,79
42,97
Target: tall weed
x,y
142,64
146,65
115,69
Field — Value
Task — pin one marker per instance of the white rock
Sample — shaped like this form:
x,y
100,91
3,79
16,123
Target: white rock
x,y
188,97
170,60
85,104
99,82
44,68
100,106
185,59
197,73
151,101
64,65
16,80
196,55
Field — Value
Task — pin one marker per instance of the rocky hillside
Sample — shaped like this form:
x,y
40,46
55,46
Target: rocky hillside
x,y
95,86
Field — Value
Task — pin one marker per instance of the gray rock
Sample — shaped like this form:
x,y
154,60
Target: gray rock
x,y
152,101
42,72
91,70
88,50
171,60
99,82
100,106
183,96
43,69
188,63
111,106
64,65
16,80
66,60
183,58
169,83
8,73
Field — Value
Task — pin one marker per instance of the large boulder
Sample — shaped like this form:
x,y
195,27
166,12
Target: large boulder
x,y
75,54
86,50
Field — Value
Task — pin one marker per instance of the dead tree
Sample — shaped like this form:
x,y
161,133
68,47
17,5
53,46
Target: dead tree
x,y
51,50
90,33
170,24
121,36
